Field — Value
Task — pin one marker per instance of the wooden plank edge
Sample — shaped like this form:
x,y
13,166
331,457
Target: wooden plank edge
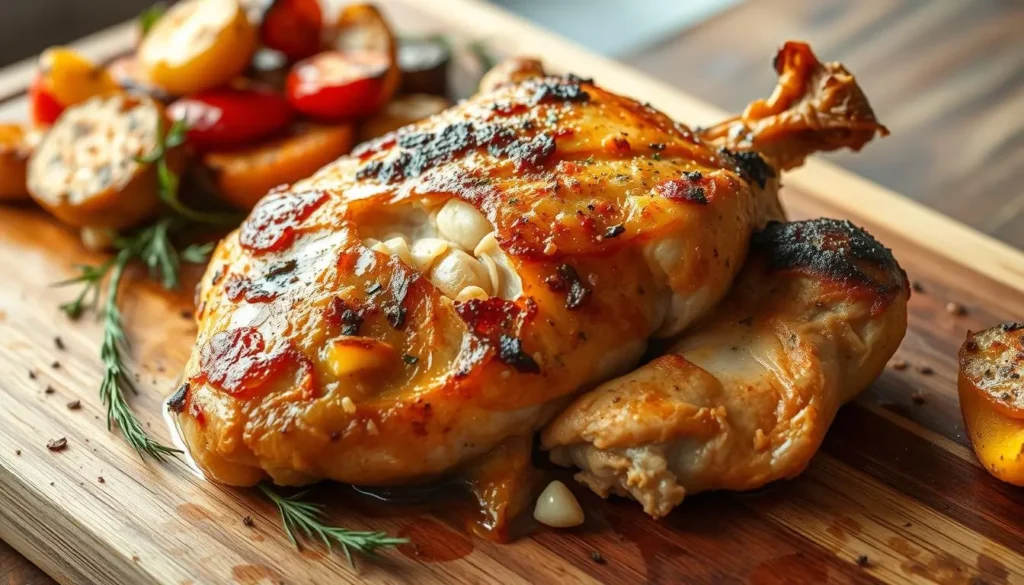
x,y
69,561
99,46
945,237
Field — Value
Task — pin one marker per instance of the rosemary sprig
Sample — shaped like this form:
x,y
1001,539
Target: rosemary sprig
x,y
152,246
307,518
168,181
115,375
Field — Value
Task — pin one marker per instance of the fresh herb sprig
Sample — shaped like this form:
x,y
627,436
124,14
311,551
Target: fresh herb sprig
x,y
168,181
154,247
307,518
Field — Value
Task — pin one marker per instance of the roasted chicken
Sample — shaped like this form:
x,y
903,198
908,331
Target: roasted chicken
x,y
449,287
747,396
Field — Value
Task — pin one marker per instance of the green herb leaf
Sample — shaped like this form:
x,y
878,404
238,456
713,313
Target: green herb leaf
x,y
168,182
307,518
149,16
153,246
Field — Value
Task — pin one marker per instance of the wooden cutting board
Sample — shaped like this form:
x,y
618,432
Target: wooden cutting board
x,y
895,495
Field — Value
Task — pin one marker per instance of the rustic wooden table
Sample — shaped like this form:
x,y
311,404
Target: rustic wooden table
x,y
946,76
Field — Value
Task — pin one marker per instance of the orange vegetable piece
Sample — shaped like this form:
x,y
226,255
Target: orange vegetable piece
x,y
245,176
991,386
64,79
15,149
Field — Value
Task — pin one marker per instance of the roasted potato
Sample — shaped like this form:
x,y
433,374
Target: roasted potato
x,y
15,149
991,386
244,176
86,172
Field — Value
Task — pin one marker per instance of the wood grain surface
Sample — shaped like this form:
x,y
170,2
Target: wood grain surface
x,y
946,76
894,496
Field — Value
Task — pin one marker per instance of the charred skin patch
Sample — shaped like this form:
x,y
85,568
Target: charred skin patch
x,y
423,150
559,89
495,325
237,362
831,248
273,224
749,165
692,187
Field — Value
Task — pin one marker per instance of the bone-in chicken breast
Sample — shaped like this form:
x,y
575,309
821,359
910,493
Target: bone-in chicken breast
x,y
746,397
450,286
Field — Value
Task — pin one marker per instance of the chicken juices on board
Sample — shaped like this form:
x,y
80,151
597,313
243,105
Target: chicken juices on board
x,y
448,287
746,397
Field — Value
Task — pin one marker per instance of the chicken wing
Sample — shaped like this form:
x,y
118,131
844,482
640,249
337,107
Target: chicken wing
x,y
450,286
746,397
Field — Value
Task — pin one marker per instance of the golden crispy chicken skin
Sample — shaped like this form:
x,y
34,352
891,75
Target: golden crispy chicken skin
x,y
746,397
451,285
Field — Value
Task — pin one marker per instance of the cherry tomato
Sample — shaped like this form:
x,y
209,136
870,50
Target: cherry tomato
x,y
64,79
230,117
43,107
198,45
293,27
334,86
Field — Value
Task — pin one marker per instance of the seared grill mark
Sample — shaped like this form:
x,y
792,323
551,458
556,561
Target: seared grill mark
x,y
749,165
828,247
424,150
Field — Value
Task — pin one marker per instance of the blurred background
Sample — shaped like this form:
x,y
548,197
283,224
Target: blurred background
x,y
947,76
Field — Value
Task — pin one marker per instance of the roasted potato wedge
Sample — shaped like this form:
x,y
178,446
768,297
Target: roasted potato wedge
x,y
991,386
15,149
244,176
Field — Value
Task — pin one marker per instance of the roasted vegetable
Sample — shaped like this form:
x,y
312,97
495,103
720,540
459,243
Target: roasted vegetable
x,y
293,27
15,148
232,117
357,77
401,111
424,65
86,172
129,75
64,79
991,385
198,45
244,176
336,86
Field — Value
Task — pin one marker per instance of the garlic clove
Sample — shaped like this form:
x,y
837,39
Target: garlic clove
x,y
463,224
426,251
457,270
470,293
557,507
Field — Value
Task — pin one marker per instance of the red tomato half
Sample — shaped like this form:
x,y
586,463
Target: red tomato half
x,y
335,86
230,117
293,27
43,106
